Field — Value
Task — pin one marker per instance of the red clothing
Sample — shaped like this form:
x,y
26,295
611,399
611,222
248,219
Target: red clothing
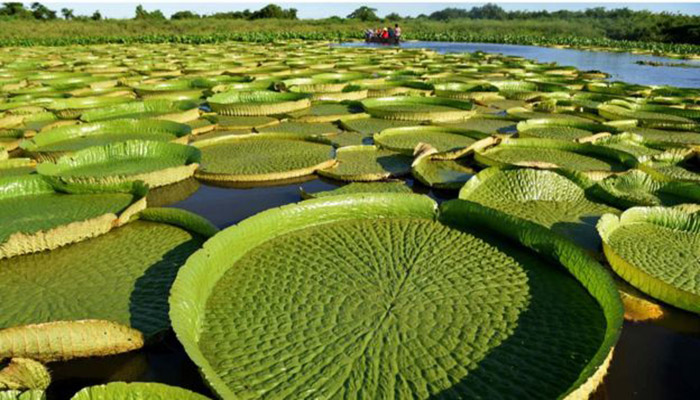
x,y
385,35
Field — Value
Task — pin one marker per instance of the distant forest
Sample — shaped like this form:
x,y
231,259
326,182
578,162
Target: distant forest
x,y
616,24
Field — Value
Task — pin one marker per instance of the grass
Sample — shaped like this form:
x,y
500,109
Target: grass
x,y
543,32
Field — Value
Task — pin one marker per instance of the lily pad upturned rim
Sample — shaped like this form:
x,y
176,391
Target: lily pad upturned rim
x,y
59,172
197,278
685,192
668,217
623,158
203,174
115,390
257,103
45,340
75,231
462,109
173,110
57,135
363,177
446,154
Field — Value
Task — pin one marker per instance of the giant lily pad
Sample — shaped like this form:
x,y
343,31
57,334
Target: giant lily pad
x,y
177,111
559,128
22,395
115,283
154,163
257,103
636,188
671,166
360,187
553,198
656,250
449,142
136,391
441,174
35,217
257,158
552,153
414,108
16,166
75,107
59,141
367,163
484,124
368,296
667,138
370,126
294,128
646,118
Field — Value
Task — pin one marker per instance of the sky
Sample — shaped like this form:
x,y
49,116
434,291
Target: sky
x,y
326,9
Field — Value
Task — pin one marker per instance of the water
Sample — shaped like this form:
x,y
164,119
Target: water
x,y
621,66
652,360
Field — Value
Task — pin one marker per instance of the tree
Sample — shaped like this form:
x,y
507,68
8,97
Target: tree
x,y
67,13
488,11
141,13
274,11
184,15
449,13
40,11
15,10
96,16
364,13
394,17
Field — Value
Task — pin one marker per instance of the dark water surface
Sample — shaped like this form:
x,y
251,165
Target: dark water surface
x,y
621,66
651,360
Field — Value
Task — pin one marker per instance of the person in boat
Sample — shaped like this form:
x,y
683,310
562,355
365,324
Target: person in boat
x,y
369,34
392,34
385,34
397,32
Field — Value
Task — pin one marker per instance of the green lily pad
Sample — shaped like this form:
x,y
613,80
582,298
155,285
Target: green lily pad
x,y
123,276
16,167
36,217
360,187
257,158
59,141
668,138
343,296
555,199
22,395
367,163
136,390
444,140
414,108
637,188
656,250
442,174
484,125
328,112
177,111
370,126
75,107
155,163
552,153
227,122
294,128
257,103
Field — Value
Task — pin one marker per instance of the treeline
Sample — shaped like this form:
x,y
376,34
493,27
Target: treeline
x,y
598,23
618,24
40,12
